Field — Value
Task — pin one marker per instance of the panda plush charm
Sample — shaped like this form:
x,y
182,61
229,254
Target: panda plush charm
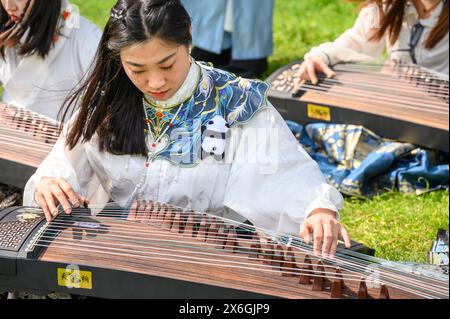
x,y
214,136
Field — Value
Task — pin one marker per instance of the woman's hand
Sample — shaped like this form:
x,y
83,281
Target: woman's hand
x,y
325,230
309,69
52,192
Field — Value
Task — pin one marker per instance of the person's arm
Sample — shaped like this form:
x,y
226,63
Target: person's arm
x,y
354,45
276,185
64,178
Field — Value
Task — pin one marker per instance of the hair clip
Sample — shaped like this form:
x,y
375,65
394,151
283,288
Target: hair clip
x,y
117,14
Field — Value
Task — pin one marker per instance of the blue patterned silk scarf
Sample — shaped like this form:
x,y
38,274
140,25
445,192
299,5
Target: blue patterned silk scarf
x,y
220,101
360,163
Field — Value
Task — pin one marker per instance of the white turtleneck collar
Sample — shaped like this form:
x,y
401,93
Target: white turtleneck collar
x,y
184,92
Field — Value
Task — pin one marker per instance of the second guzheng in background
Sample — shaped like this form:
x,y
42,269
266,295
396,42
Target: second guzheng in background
x,y
402,102
26,138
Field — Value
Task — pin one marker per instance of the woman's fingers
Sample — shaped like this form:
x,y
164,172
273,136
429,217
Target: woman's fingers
x,y
43,203
329,236
325,69
326,234
68,190
304,232
300,76
52,193
318,237
61,197
333,248
308,71
52,207
343,232
311,70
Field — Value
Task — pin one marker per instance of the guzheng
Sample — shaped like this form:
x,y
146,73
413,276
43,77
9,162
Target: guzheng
x,y
26,138
158,251
402,102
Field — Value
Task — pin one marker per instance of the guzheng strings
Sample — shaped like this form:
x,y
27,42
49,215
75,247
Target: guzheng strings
x,y
167,234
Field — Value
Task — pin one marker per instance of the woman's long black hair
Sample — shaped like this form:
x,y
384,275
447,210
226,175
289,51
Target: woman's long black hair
x,y
42,22
109,103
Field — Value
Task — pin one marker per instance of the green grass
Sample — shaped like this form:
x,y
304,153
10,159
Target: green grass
x,y
400,227
95,10
397,226
300,25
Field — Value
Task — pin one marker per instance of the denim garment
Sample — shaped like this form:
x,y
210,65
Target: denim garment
x,y
252,30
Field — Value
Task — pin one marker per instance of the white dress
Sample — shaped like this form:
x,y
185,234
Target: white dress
x,y
354,45
41,85
266,176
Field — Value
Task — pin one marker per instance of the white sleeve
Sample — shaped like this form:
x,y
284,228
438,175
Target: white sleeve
x,y
354,44
71,165
273,182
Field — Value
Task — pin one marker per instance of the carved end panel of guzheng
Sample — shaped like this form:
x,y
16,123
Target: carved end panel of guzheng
x,y
18,226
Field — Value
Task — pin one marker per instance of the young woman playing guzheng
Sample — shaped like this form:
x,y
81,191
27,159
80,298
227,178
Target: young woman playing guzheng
x,y
152,125
414,31
46,49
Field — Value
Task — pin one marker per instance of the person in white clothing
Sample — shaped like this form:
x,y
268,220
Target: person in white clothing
x,y
46,49
412,31
154,124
